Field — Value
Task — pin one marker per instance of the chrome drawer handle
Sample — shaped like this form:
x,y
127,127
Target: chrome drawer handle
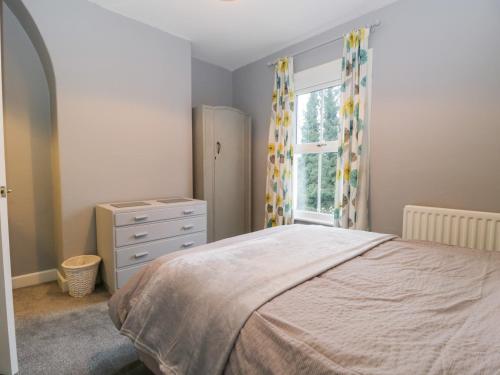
x,y
188,212
140,255
188,244
141,217
140,235
189,226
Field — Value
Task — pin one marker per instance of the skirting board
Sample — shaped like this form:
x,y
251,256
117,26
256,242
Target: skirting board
x,y
34,278
41,277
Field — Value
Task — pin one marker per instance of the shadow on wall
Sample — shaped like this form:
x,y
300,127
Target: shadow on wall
x,y
29,26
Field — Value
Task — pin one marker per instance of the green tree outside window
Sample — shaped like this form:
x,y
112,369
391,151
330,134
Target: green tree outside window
x,y
321,123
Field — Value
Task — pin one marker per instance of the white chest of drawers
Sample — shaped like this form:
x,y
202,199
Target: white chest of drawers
x,y
132,234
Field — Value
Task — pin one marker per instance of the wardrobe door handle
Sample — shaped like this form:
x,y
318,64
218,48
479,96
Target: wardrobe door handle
x,y
141,255
140,217
187,244
219,147
140,235
188,226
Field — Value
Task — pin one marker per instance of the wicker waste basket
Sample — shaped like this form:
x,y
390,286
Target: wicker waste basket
x,y
81,272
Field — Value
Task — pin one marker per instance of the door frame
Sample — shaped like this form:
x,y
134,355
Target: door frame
x,y
8,350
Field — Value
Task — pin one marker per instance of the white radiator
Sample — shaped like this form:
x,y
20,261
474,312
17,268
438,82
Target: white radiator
x,y
473,229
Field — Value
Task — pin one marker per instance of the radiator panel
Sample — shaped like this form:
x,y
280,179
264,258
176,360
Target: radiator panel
x,y
472,229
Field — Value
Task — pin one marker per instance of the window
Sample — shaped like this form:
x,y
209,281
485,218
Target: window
x,y
315,150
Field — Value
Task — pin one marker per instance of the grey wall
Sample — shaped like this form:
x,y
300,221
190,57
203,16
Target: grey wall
x,y
435,113
123,112
31,29
211,84
27,125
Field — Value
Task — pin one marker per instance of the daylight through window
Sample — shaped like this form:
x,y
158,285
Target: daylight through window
x,y
315,152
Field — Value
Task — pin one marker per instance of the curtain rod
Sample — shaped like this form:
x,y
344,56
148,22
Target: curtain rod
x,y
371,27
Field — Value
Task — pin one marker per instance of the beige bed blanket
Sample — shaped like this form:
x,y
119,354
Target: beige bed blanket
x,y
187,309
401,308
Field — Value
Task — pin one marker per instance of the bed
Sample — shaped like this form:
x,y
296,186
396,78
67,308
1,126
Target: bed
x,y
307,299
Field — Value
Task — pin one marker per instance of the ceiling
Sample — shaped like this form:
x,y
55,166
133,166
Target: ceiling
x,y
232,34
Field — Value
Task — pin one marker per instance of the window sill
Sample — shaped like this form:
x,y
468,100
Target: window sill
x,y
299,220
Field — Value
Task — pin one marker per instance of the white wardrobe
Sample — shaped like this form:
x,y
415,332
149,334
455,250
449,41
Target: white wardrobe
x,y
222,169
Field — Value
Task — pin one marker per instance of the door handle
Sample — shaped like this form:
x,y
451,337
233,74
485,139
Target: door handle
x,y
219,147
4,191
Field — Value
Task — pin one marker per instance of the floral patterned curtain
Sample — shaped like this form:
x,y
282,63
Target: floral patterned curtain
x,y
280,148
351,199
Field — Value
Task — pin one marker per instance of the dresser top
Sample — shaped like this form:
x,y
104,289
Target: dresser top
x,y
150,204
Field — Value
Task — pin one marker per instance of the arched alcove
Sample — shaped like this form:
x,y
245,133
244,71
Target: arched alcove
x,y
123,125
31,144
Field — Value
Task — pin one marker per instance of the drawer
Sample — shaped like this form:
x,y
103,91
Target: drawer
x,y
130,255
155,231
123,275
146,216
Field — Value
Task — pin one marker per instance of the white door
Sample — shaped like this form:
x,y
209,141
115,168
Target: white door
x,y
8,354
229,181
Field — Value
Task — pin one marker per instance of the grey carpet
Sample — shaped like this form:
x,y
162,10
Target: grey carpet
x,y
74,341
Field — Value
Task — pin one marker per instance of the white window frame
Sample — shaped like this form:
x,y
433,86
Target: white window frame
x,y
309,80
317,78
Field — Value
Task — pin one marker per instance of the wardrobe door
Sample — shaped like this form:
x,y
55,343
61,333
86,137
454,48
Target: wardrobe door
x,y
229,181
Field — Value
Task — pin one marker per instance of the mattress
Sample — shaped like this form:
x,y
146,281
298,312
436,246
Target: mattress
x,y
398,307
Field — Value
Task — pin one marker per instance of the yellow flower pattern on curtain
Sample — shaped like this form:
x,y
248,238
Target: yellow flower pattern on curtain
x,y
280,148
350,163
